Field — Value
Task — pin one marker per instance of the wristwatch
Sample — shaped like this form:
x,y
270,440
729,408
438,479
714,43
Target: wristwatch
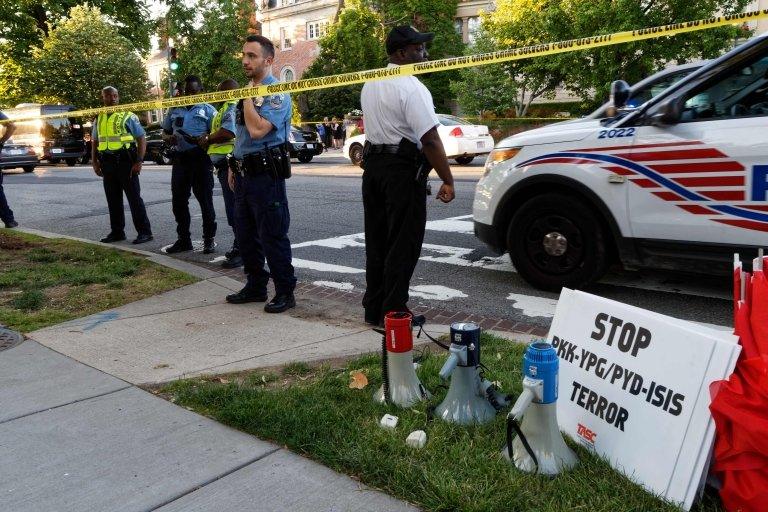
x,y
258,101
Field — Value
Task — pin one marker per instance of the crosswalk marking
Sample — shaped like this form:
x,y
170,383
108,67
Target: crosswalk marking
x,y
463,257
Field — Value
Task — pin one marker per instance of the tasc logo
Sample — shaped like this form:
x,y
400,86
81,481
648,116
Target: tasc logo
x,y
586,434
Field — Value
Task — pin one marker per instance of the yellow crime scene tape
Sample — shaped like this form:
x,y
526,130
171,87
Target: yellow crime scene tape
x,y
481,59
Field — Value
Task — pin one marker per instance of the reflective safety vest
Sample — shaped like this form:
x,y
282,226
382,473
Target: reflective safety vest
x,y
222,148
112,133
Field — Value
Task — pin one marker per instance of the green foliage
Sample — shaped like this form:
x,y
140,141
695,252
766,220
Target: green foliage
x,y
428,16
353,43
25,23
83,54
212,49
517,23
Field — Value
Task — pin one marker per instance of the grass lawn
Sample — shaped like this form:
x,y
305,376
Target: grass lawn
x,y
49,281
311,410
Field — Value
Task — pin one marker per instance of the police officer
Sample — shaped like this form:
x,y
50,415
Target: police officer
x,y
6,214
118,145
402,144
220,143
258,172
192,169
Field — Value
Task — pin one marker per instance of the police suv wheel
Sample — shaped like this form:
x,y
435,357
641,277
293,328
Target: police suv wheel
x,y
305,158
71,162
356,154
28,168
555,240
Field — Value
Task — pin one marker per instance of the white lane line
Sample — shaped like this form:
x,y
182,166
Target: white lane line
x,y
334,284
338,242
435,292
459,256
534,306
452,225
326,267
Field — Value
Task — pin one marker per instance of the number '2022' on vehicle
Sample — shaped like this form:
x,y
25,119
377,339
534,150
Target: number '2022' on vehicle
x,y
679,182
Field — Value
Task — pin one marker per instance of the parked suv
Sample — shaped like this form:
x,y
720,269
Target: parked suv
x,y
679,182
304,144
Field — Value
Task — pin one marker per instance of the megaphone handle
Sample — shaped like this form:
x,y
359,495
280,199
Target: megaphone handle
x,y
512,425
522,403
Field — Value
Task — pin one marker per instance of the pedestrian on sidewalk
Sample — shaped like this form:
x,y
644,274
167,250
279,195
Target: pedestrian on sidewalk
x,y
118,144
258,170
321,135
328,135
220,143
402,145
338,134
192,171
6,214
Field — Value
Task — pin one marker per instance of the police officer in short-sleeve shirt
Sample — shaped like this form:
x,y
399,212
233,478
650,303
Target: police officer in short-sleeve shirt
x,y
401,136
261,205
192,169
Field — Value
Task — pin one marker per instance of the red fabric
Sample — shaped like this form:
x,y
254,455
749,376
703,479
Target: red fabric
x,y
740,411
759,311
743,329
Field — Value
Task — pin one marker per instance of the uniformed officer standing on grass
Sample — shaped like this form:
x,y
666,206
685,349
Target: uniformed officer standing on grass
x,y
401,137
220,143
192,170
118,145
258,171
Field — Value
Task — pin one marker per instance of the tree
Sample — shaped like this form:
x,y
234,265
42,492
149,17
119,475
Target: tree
x,y
25,23
212,49
588,73
428,16
353,43
83,54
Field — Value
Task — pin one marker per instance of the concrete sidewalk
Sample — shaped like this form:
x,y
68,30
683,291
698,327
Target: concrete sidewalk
x,y
77,434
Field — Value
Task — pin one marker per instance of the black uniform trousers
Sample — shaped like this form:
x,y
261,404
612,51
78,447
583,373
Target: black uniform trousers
x,y
262,220
117,179
222,171
6,214
192,171
395,207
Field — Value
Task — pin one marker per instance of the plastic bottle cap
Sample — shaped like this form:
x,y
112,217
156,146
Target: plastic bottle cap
x,y
388,421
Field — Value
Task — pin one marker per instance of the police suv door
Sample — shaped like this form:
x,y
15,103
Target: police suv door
x,y
700,160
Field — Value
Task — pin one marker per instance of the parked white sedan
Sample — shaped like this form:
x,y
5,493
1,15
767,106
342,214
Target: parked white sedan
x,y
463,141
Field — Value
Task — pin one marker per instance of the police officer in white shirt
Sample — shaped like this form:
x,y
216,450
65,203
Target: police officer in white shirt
x,y
402,145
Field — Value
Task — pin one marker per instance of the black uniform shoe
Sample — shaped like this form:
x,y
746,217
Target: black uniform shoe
x,y
246,295
280,303
179,246
11,224
235,262
112,237
143,238
209,246
232,253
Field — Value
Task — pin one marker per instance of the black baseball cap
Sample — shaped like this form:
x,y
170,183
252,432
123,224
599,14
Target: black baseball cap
x,y
402,36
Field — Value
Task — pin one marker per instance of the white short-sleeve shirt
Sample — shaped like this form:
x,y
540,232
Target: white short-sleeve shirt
x,y
396,108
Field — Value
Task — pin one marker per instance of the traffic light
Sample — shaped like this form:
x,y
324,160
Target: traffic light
x,y
173,62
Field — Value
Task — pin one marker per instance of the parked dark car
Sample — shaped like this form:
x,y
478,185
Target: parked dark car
x,y
158,150
18,155
304,144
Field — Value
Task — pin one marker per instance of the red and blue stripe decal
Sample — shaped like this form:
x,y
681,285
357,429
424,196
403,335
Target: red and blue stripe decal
x,y
681,172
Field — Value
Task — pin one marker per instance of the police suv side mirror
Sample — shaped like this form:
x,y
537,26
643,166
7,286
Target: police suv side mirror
x,y
667,113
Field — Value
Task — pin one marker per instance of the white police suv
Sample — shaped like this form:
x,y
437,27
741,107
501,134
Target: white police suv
x,y
679,182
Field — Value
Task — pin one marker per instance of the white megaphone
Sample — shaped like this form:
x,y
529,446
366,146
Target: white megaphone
x,y
401,386
470,398
539,446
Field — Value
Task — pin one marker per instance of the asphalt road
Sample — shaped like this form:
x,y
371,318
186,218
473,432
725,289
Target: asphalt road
x,y
456,271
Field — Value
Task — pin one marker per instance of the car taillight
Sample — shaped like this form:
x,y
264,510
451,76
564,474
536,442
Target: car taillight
x,y
456,132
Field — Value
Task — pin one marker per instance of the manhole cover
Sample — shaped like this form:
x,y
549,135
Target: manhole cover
x,y
9,338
